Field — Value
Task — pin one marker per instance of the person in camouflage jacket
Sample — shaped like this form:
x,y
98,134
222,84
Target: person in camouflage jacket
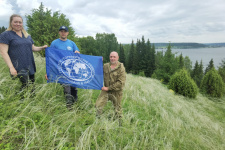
x,y
114,81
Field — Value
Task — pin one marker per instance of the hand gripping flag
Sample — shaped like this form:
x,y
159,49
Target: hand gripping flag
x,y
77,70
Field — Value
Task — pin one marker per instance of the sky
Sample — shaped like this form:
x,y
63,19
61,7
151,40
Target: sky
x,y
200,21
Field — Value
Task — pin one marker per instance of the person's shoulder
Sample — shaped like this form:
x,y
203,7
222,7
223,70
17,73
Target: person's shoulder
x,y
6,36
106,64
68,40
55,41
29,36
6,33
121,65
75,48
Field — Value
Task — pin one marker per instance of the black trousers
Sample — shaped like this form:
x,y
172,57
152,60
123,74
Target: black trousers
x,y
26,80
27,83
70,94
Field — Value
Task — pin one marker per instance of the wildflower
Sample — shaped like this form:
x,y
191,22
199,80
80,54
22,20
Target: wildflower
x,y
171,91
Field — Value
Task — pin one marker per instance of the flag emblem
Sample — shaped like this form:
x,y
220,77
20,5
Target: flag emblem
x,y
78,70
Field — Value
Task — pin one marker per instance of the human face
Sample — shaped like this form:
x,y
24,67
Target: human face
x,y
63,34
114,57
17,24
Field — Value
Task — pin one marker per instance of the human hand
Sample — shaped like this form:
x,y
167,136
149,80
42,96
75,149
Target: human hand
x,y
46,77
105,88
77,52
13,71
45,46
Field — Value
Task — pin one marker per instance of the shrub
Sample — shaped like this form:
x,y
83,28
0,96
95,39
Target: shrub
x,y
212,84
181,83
221,72
141,74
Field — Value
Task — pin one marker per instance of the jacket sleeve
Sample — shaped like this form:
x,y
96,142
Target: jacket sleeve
x,y
120,82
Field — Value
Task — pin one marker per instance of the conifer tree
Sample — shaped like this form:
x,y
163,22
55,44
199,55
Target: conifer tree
x,y
181,61
136,60
143,55
150,59
221,70
122,55
200,72
212,84
222,64
159,58
157,74
126,48
197,73
147,70
131,58
167,67
195,70
210,66
2,29
169,64
187,64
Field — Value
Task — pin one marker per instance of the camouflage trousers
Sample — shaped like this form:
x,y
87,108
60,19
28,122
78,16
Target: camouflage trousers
x,y
114,97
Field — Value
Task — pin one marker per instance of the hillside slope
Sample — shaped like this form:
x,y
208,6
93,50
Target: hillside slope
x,y
153,118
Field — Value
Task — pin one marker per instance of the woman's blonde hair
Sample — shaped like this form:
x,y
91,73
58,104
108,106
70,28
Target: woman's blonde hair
x,y
10,26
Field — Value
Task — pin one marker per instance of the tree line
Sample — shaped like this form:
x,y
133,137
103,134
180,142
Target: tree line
x,y
140,58
2,29
181,45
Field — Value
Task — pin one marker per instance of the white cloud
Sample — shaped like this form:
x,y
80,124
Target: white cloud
x,y
158,21
27,5
5,12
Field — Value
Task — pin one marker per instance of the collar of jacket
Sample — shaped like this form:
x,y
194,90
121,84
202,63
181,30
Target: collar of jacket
x,y
117,66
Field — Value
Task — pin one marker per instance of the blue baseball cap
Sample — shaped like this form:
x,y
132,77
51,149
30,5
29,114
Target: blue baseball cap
x,y
63,28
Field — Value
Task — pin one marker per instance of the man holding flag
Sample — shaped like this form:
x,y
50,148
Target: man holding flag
x,y
63,43
114,81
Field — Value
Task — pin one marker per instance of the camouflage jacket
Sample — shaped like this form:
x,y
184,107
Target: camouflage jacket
x,y
114,79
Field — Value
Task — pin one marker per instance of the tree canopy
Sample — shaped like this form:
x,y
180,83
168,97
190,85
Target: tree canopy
x,y
43,26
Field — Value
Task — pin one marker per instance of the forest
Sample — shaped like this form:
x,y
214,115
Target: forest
x,y
139,57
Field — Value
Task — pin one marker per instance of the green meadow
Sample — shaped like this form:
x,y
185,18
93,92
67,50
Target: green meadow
x,y
154,117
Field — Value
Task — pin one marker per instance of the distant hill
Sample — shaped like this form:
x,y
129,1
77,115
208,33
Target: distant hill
x,y
188,45
180,45
215,44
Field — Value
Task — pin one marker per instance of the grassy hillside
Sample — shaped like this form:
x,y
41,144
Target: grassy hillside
x,y
153,118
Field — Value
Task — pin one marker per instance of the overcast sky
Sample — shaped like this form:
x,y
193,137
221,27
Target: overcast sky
x,y
201,21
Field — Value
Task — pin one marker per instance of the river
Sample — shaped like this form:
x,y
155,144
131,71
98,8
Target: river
x,y
204,54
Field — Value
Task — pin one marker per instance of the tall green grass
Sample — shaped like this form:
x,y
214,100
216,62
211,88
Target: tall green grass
x,y
153,118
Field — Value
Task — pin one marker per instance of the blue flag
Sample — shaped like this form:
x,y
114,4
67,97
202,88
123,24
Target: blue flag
x,y
77,70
